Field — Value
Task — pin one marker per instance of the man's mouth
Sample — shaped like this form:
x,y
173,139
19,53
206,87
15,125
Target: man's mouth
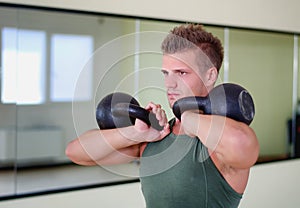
x,y
173,96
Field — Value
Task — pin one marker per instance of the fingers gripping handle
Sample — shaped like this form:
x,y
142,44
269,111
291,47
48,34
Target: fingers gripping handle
x,y
135,111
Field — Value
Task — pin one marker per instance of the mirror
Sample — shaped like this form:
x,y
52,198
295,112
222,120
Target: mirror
x,y
263,62
57,65
8,126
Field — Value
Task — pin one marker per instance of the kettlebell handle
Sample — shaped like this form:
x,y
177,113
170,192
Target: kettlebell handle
x,y
135,111
190,103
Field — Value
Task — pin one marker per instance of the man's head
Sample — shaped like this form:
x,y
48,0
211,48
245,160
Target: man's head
x,y
192,58
194,37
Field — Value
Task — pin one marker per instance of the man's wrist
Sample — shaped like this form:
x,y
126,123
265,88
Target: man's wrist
x,y
131,135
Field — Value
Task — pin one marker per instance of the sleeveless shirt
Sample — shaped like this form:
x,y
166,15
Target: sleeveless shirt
x,y
177,172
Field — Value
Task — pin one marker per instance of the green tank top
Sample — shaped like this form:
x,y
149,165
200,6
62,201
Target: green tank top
x,y
178,172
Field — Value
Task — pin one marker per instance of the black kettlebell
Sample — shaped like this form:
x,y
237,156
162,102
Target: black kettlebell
x,y
118,110
230,100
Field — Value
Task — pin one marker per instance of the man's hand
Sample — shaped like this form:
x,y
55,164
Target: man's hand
x,y
149,134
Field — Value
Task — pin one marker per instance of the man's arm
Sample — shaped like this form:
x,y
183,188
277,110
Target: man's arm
x,y
235,143
118,145
103,147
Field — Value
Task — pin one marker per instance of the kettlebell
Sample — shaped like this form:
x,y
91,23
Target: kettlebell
x,y
228,99
118,110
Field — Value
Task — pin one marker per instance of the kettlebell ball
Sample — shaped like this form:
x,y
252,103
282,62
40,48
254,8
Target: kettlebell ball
x,y
118,110
230,100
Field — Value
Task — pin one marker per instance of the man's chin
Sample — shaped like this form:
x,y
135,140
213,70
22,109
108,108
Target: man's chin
x,y
171,103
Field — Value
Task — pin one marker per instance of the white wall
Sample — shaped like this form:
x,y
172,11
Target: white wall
x,y
268,14
273,185
127,195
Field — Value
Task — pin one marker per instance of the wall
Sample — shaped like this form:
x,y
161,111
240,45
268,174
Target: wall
x,y
272,185
267,14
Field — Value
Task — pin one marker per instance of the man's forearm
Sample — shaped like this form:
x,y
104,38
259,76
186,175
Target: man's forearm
x,y
95,145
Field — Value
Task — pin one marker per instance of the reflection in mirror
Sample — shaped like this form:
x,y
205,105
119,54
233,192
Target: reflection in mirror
x,y
8,111
42,56
56,66
294,121
263,63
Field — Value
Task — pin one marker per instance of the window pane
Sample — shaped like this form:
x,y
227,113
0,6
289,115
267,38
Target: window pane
x,y
9,65
23,62
69,54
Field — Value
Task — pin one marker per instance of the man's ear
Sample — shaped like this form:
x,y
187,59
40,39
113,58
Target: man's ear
x,y
211,76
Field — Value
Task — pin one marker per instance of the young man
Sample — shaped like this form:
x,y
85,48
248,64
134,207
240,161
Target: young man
x,y
197,161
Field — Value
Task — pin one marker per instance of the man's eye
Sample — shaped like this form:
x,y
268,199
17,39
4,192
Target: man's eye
x,y
164,72
182,73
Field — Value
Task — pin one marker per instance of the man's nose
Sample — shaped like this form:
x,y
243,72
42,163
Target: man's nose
x,y
170,81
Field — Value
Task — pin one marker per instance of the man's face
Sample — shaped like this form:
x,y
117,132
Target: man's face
x,y
182,77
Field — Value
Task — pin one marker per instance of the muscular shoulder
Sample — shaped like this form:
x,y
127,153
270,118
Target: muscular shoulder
x,y
236,178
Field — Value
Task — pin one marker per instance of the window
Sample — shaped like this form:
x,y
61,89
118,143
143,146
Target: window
x,y
24,67
69,53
